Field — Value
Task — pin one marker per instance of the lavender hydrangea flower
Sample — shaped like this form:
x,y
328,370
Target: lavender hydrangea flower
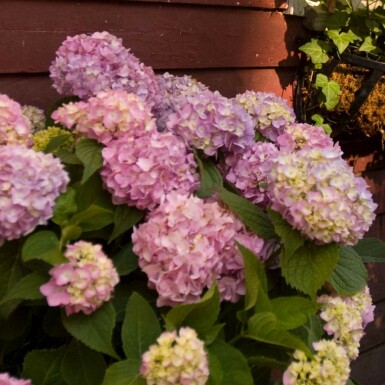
x,y
138,172
248,172
176,359
270,112
30,182
318,194
109,115
173,90
6,379
86,65
15,128
187,243
84,283
208,121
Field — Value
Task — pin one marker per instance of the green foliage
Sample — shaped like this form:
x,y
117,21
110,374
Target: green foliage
x,y
341,39
370,250
124,373
125,217
125,261
330,90
65,207
210,177
319,121
93,218
317,51
56,142
90,154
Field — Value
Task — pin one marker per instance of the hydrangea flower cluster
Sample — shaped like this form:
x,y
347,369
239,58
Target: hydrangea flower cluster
x,y
43,137
86,65
187,243
6,379
248,172
109,115
84,283
138,172
330,365
346,317
318,194
176,359
15,128
271,113
208,121
172,90
303,136
35,116
30,182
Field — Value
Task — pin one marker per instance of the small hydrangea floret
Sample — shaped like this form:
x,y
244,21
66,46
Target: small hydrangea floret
x,y
42,138
6,379
35,115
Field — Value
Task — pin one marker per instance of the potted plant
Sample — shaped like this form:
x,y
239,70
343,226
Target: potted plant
x,y
342,83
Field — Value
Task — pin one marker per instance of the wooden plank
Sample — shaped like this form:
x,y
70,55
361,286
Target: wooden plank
x,y
376,182
368,369
161,36
36,88
375,331
376,273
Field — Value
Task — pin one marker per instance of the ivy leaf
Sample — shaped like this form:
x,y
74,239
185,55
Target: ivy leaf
x,y
319,121
93,330
350,275
263,327
211,178
65,206
28,288
310,266
43,367
124,373
125,217
317,51
81,365
229,366
330,89
140,327
369,45
252,216
292,312
89,151
341,39
44,246
371,249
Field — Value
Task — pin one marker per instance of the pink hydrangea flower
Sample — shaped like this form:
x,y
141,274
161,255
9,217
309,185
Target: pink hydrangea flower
x,y
176,359
318,194
110,115
138,172
208,121
303,136
248,172
15,128
30,182
187,243
173,90
271,113
6,379
84,283
86,65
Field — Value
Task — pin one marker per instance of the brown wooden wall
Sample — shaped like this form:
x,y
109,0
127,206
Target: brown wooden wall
x,y
230,45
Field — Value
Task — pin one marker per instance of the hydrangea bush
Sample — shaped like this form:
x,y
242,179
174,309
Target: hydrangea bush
x,y
155,232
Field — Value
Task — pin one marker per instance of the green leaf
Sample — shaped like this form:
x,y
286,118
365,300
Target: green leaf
x,y
44,246
82,365
28,288
125,217
43,367
341,39
89,151
252,216
316,50
319,121
310,266
229,365
125,261
124,373
369,45
330,89
65,207
140,327
67,157
311,331
56,142
70,233
200,316
351,381
350,275
263,361
93,330
255,276
92,218
371,249
211,178
264,327
291,238
292,312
